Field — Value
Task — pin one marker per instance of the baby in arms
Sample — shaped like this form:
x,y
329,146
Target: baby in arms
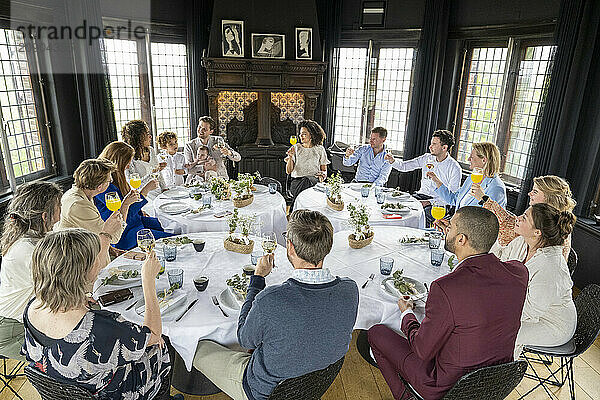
x,y
204,166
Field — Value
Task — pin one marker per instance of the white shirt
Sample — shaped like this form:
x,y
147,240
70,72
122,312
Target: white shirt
x,y
313,276
448,171
175,161
145,168
548,298
16,281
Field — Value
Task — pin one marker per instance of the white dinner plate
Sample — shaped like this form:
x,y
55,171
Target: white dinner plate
x,y
125,281
174,208
320,187
261,189
227,300
387,286
400,195
402,211
358,186
177,299
176,193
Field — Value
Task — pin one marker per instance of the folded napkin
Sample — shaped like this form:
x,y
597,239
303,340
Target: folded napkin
x,y
171,302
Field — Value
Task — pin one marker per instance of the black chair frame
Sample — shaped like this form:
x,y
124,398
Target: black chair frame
x,y
491,383
51,389
588,329
310,386
7,376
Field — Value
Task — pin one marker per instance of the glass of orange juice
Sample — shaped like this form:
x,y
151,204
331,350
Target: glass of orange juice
x,y
438,211
293,140
134,180
113,201
477,175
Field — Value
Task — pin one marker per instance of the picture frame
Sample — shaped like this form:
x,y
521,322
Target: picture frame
x,y
232,38
268,45
304,43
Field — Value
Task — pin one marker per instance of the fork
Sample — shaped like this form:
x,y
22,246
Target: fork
x,y
368,280
216,303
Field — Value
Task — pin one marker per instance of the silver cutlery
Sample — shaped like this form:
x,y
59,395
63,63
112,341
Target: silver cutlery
x,y
368,280
192,304
216,303
129,307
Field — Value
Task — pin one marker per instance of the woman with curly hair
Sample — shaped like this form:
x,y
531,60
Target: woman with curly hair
x,y
306,162
137,134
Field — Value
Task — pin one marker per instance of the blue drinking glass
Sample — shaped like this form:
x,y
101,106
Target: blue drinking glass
x,y
175,277
380,197
364,191
385,265
170,252
437,257
272,188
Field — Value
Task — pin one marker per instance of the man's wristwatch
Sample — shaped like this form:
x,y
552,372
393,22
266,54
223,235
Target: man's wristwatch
x,y
484,199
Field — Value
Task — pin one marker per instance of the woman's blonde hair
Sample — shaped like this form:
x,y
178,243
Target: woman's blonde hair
x,y
93,172
120,153
490,152
24,214
556,191
60,265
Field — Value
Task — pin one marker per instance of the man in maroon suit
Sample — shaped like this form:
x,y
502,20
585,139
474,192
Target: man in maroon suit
x,y
472,315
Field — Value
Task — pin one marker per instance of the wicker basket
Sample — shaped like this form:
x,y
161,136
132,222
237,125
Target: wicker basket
x,y
239,203
359,244
238,247
335,206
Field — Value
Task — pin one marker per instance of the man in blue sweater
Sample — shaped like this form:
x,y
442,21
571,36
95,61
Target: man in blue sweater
x,y
300,326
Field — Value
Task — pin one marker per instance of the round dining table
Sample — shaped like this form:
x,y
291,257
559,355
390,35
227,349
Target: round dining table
x,y
205,320
270,211
314,198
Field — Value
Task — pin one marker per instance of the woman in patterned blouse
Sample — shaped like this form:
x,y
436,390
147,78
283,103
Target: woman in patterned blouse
x,y
548,189
97,350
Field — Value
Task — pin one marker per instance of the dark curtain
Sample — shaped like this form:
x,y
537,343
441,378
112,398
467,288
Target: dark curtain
x,y
429,67
199,17
565,135
93,90
330,30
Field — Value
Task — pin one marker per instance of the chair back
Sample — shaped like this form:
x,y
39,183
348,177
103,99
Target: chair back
x,y
490,383
51,389
588,318
265,180
310,386
572,261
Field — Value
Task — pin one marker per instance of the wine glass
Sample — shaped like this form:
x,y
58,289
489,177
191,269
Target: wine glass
x,y
438,211
134,180
477,175
113,201
293,139
268,242
145,240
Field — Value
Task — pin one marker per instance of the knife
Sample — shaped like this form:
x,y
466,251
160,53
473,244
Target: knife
x,y
192,304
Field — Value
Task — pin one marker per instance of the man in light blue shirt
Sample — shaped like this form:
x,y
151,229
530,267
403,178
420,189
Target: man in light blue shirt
x,y
372,166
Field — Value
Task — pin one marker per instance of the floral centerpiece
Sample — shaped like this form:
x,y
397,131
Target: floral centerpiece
x,y
334,192
241,190
359,220
239,242
219,187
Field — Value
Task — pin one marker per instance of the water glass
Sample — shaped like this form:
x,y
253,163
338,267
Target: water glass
x,y
437,257
255,256
175,277
272,188
170,252
435,240
380,197
378,189
206,200
364,191
385,265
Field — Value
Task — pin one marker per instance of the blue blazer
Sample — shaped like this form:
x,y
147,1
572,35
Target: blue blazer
x,y
135,219
493,187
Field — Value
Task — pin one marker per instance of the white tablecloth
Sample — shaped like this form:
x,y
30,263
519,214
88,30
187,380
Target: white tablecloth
x,y
313,199
270,210
205,321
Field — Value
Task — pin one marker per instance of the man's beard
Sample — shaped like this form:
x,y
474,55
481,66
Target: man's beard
x,y
449,244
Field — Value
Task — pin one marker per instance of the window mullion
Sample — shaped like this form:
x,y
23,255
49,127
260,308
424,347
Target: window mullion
x,y
510,84
145,92
462,95
371,90
151,102
367,84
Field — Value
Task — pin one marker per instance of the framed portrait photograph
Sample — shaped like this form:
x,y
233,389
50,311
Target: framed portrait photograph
x,y
232,38
303,43
268,45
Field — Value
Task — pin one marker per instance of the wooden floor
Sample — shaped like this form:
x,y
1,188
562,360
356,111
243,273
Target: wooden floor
x,y
359,381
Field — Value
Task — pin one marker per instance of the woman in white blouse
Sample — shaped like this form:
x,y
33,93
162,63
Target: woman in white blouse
x,y
33,211
549,317
145,163
306,162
